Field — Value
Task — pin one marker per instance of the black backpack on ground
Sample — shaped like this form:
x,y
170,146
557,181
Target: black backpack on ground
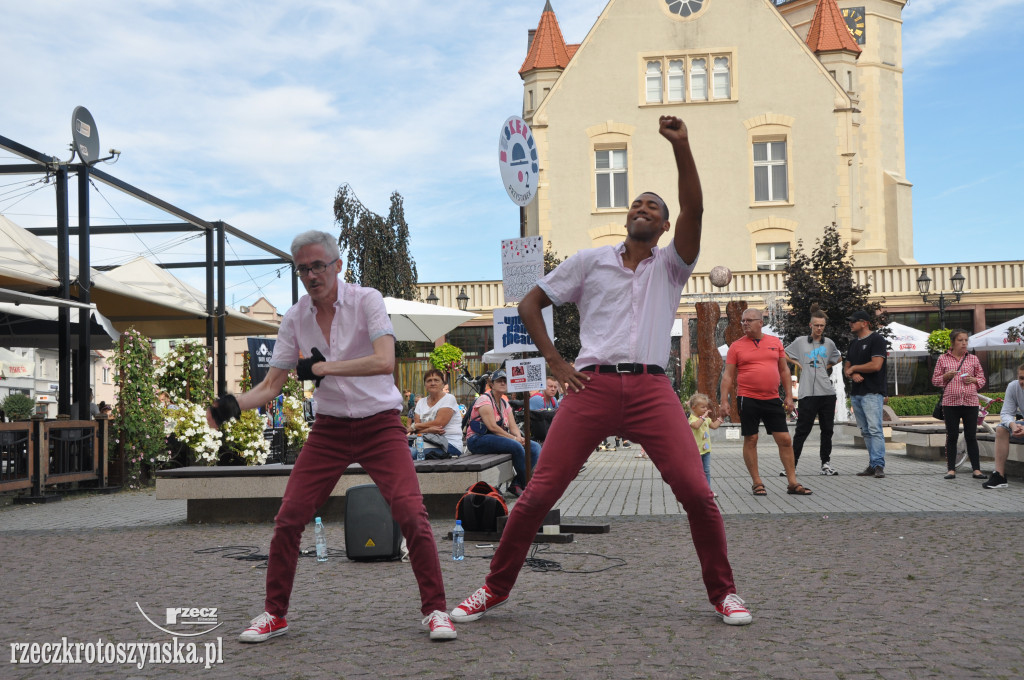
x,y
480,507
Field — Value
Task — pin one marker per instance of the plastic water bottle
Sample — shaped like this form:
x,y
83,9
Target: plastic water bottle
x,y
419,448
321,541
458,542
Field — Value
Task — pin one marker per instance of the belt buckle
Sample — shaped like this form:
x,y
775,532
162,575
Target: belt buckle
x,y
624,367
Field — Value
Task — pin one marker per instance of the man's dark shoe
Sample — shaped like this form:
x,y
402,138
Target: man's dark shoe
x,y
879,472
868,472
995,481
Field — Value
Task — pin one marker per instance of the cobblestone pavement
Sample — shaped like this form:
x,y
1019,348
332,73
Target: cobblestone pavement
x,y
907,577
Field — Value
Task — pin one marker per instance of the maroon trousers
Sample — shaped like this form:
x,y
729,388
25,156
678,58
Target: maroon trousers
x,y
378,443
642,408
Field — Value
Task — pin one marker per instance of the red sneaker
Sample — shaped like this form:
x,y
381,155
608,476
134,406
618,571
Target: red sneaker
x,y
733,612
440,626
474,606
264,627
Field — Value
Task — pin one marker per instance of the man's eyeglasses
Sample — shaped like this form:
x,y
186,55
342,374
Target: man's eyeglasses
x,y
751,321
315,268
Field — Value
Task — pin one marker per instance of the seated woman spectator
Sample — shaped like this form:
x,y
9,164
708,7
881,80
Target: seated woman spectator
x,y
492,429
435,414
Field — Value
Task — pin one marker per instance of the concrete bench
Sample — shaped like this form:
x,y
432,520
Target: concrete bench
x,y
239,493
924,442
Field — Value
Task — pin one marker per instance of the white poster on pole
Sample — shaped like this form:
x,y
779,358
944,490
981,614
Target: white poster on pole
x,y
526,375
510,334
522,266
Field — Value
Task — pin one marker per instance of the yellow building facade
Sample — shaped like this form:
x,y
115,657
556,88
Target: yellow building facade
x,y
788,136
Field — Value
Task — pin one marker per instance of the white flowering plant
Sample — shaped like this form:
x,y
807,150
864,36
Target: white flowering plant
x,y
186,422
244,436
185,373
137,433
295,426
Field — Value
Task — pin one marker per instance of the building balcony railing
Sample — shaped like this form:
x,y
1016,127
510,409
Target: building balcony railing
x,y
987,283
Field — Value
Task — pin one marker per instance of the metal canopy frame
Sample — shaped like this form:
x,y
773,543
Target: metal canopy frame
x,y
215,262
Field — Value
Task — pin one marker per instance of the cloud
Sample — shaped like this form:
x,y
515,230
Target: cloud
x,y
935,32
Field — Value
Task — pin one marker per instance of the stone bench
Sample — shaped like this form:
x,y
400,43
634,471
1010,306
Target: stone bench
x,y
239,493
924,442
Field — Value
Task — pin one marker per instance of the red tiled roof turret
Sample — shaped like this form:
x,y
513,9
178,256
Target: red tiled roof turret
x,y
828,32
548,49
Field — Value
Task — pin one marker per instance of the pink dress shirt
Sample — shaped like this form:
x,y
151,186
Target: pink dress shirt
x,y
359,319
625,316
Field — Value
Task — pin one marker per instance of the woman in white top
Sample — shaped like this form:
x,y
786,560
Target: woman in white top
x,y
435,414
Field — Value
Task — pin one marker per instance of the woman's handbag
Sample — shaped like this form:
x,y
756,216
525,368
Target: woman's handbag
x,y
437,440
937,411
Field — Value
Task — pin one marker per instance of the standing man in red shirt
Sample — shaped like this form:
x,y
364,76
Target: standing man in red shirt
x,y
755,366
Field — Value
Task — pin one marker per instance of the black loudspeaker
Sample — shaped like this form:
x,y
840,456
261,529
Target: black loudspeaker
x,y
370,532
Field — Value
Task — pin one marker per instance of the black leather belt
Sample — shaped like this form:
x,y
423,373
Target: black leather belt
x,y
626,368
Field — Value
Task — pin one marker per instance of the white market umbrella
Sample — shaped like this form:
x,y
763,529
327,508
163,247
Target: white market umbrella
x,y
906,340
421,322
995,337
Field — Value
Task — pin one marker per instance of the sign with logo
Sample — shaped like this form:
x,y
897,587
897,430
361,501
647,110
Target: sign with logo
x,y
526,375
517,160
522,265
510,333
260,352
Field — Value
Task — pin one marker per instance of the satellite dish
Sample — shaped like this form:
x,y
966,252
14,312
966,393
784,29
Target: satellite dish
x,y
85,135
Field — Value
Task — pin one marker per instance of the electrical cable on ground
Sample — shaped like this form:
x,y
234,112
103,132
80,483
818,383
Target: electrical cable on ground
x,y
251,553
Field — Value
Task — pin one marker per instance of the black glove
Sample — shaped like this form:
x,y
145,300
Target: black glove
x,y
305,367
225,408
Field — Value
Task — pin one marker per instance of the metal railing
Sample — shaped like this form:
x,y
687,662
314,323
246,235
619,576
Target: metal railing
x,y
40,453
986,281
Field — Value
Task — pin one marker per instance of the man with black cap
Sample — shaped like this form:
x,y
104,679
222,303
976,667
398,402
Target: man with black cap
x,y
865,367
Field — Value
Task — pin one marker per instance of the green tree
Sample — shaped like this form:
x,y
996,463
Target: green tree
x,y
566,317
376,248
825,276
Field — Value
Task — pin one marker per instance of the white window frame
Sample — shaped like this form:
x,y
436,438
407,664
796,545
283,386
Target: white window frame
x,y
616,202
773,262
679,78
672,79
770,164
654,81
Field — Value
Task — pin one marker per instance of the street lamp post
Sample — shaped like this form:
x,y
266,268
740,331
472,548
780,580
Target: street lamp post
x,y
432,298
462,299
924,282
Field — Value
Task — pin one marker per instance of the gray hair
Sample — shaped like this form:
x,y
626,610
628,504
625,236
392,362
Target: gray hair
x,y
316,238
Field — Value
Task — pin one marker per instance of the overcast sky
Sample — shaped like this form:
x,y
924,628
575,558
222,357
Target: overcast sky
x,y
254,112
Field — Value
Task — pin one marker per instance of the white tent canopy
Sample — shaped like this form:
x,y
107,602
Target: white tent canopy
x,y
160,305
906,340
422,322
36,326
995,337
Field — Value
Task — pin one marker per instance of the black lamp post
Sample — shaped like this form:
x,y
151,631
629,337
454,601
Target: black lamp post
x,y
431,298
462,299
924,282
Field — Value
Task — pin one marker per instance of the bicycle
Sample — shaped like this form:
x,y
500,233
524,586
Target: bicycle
x,y
961,443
